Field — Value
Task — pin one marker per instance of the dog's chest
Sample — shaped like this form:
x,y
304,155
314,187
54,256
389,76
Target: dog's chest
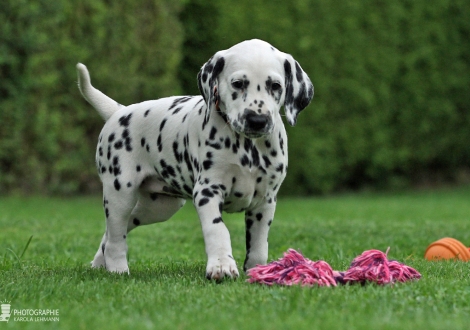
x,y
250,170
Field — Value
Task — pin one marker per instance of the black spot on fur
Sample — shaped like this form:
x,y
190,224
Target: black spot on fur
x,y
216,146
136,222
176,110
245,161
118,145
128,144
163,123
207,164
179,100
159,143
267,162
117,185
280,168
125,120
203,202
206,192
213,133
217,220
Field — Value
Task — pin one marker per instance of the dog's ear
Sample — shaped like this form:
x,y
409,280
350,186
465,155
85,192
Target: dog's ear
x,y
299,89
207,78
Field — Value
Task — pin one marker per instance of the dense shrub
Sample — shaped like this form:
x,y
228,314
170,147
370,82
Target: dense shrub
x,y
48,132
392,100
391,103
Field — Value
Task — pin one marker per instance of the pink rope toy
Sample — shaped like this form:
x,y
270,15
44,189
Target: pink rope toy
x,y
294,268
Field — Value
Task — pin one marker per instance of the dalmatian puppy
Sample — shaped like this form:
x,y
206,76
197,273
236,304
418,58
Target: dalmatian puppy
x,y
226,150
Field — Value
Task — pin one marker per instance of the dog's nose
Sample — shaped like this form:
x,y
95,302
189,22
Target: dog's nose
x,y
256,122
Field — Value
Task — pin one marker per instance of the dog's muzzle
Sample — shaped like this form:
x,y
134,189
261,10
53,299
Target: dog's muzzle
x,y
256,125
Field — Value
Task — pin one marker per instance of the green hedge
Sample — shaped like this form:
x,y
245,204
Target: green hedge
x,y
391,103
392,98
48,132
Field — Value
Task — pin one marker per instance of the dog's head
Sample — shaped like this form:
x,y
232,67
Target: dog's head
x,y
249,82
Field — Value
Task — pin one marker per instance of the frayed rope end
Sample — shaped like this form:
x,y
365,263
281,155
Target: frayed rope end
x,y
294,268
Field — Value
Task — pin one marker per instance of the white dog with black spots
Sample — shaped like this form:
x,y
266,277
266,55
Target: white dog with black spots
x,y
226,150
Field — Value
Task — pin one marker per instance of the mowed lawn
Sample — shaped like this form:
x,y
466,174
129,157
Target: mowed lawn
x,y
167,288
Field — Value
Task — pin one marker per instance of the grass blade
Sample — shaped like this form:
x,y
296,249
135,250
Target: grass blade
x,y
26,247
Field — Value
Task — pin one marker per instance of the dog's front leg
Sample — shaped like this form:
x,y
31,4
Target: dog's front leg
x,y
257,224
220,262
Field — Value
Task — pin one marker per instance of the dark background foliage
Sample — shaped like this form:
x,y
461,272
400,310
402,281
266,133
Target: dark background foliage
x,y
392,79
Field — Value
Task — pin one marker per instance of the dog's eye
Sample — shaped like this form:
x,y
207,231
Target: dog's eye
x,y
276,86
238,84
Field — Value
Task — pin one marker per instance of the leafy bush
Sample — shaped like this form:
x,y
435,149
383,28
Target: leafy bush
x,y
49,133
391,80
391,103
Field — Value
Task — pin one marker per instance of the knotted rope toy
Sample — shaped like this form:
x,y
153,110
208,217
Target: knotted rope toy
x,y
294,268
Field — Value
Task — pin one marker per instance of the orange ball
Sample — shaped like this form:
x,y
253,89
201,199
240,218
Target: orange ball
x,y
447,248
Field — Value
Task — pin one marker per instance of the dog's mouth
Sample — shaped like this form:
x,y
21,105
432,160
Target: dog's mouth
x,y
253,125
255,135
249,132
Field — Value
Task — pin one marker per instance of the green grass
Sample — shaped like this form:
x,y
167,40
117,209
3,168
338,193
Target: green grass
x,y
167,288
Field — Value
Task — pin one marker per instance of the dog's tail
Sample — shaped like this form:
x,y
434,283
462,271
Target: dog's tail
x,y
105,105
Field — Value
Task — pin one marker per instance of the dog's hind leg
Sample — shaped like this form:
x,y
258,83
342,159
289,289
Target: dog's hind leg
x,y
119,201
98,260
151,207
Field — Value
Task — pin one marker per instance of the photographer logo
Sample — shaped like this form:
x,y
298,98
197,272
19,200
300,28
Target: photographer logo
x,y
5,316
27,315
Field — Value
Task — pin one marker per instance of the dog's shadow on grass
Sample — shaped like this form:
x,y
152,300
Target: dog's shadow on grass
x,y
168,271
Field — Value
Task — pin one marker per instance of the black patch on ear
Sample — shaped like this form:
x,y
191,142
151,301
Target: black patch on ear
x,y
298,72
219,66
301,100
289,88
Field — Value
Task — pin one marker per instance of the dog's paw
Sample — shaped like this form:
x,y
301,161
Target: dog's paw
x,y
115,259
119,270
219,268
98,261
117,265
97,264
